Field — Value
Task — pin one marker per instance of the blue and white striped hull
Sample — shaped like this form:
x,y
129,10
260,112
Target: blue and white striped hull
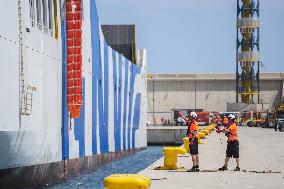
x,y
113,114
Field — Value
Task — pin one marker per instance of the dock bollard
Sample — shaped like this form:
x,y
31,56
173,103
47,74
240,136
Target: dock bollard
x,y
170,159
127,181
201,134
199,137
212,126
209,129
205,131
186,143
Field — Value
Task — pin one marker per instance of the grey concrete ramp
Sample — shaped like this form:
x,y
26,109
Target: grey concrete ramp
x,y
260,149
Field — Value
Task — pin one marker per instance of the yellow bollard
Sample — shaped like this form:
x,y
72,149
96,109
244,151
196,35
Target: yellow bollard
x,y
127,181
186,143
201,134
199,137
209,129
170,159
205,131
212,127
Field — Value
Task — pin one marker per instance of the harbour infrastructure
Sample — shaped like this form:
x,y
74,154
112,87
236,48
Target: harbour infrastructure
x,y
69,102
78,96
248,52
166,135
206,92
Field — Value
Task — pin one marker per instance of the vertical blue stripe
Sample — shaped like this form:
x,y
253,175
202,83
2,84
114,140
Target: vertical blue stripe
x,y
134,71
119,95
103,103
100,103
131,90
117,137
136,118
95,41
125,103
79,125
64,128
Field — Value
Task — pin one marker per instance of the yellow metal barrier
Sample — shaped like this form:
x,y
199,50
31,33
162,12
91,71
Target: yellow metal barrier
x,y
127,181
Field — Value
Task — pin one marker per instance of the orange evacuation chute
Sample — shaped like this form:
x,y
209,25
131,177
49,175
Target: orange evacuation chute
x,y
74,56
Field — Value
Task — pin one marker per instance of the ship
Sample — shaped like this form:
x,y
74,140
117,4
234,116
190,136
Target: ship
x,y
69,102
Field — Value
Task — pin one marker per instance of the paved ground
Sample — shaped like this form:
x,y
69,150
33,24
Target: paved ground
x,y
260,149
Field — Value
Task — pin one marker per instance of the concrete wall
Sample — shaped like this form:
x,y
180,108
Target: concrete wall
x,y
165,135
213,92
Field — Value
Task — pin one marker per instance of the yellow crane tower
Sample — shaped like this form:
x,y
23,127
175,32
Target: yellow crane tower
x,y
247,55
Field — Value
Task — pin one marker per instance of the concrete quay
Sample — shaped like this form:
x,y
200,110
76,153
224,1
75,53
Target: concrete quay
x,y
260,149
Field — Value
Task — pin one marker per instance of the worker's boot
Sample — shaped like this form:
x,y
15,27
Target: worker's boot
x,y
197,168
193,169
237,169
224,168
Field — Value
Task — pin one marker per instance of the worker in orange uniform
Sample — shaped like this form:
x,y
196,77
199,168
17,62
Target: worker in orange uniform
x,y
225,121
233,143
192,132
219,121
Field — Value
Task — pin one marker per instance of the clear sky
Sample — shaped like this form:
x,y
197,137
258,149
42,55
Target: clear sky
x,y
195,36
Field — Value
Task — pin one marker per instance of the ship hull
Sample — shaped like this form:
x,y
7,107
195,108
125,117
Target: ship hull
x,y
39,142
56,172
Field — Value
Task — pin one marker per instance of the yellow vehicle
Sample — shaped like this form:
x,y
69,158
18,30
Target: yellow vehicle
x,y
247,118
259,119
274,116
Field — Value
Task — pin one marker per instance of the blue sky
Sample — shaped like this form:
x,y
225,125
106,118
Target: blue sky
x,y
195,36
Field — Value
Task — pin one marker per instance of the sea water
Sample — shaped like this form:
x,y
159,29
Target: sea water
x,y
127,165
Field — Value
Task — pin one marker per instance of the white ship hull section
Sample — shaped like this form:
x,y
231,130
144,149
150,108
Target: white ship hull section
x,y
113,112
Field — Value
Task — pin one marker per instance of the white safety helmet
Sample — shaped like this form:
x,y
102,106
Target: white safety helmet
x,y
193,114
231,116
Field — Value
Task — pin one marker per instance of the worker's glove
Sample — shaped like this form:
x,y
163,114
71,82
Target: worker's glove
x,y
191,143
